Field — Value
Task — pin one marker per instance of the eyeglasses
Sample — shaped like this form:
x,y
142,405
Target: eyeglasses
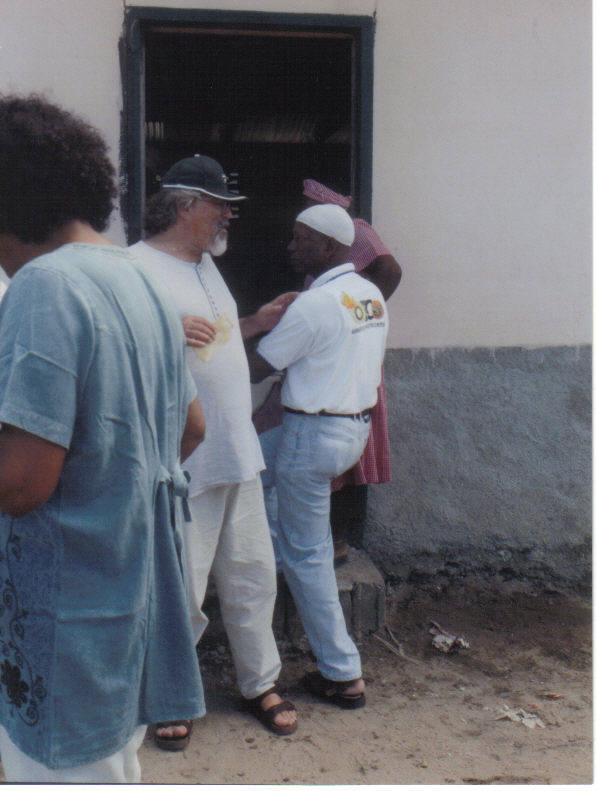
x,y
220,204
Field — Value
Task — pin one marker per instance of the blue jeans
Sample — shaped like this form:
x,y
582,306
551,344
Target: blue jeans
x,y
303,456
270,440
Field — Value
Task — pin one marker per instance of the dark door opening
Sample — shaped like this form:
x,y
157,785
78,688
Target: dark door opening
x,y
274,106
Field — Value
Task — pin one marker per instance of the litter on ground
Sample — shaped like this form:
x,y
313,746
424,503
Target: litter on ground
x,y
520,715
444,641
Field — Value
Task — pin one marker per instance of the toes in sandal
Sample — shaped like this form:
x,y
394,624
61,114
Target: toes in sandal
x,y
334,691
173,742
267,716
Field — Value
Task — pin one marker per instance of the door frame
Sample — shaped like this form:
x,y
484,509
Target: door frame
x,y
140,19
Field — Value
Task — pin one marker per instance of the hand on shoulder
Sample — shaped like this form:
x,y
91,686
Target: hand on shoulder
x,y
270,314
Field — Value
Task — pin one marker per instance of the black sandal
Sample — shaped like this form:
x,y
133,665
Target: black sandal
x,y
334,691
266,716
173,743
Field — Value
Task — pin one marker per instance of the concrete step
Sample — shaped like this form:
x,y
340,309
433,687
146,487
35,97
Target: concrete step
x,y
362,595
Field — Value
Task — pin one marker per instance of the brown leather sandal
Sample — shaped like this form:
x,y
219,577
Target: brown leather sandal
x,y
266,716
173,743
333,691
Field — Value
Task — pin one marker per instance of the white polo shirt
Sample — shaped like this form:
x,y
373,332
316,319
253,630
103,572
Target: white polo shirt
x,y
332,341
230,452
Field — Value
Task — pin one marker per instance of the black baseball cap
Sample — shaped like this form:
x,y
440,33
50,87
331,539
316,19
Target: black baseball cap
x,y
200,173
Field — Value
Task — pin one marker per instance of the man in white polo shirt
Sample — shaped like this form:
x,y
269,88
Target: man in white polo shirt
x,y
331,341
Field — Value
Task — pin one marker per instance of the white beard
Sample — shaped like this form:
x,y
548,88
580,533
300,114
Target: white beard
x,y
219,244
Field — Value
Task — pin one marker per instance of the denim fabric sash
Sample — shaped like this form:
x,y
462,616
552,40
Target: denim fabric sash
x,y
177,485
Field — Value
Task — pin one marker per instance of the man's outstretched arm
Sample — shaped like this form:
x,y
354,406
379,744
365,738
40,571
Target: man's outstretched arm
x,y
268,315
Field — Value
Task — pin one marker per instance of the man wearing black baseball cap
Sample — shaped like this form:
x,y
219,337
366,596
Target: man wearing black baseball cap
x,y
186,223
201,173
202,184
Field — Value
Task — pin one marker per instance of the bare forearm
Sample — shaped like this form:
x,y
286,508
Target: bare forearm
x,y
30,468
250,327
267,316
386,273
15,496
194,430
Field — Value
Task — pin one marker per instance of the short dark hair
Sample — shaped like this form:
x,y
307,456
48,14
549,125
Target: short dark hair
x,y
54,168
162,208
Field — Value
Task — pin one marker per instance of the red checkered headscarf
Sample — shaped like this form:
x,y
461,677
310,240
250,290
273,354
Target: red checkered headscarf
x,y
367,245
319,192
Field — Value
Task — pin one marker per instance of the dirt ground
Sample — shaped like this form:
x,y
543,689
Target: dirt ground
x,y
431,718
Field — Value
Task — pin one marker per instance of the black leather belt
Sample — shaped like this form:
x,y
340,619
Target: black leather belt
x,y
354,415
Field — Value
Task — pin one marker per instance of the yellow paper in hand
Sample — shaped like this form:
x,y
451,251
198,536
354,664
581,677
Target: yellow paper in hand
x,y
223,327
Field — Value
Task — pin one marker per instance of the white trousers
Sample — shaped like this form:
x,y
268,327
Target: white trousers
x,y
120,767
230,537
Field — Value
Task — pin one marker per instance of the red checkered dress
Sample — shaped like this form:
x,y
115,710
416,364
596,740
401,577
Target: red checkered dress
x,y
374,465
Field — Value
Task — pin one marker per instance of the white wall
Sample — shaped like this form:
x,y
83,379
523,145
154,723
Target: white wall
x,y
67,50
482,148
482,169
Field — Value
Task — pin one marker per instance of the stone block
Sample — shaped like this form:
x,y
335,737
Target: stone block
x,y
361,590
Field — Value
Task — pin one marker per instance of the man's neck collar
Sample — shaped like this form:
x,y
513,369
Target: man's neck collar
x,y
331,273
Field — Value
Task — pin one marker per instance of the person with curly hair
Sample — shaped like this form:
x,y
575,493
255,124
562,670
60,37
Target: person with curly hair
x,y
97,409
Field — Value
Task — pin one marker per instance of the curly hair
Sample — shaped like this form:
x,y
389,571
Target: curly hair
x,y
162,207
54,168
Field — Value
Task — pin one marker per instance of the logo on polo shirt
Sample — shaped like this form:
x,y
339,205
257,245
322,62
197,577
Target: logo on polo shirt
x,y
363,310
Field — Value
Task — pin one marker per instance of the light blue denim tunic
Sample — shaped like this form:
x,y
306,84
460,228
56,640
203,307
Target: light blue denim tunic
x,y
94,628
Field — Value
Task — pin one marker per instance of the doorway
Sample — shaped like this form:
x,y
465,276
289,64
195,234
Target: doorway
x,y
274,100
